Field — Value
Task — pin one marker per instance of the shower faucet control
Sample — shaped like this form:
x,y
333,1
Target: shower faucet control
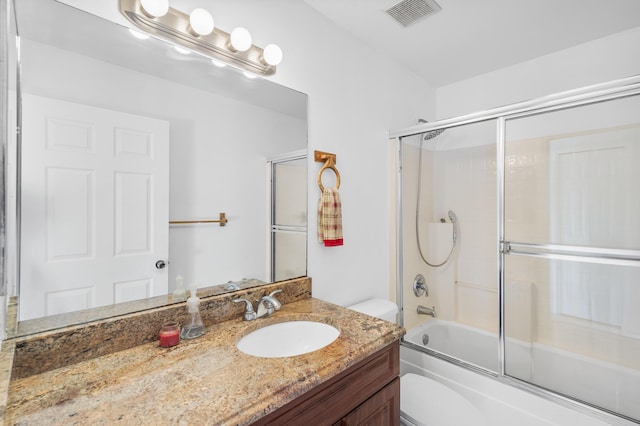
x,y
420,286
423,310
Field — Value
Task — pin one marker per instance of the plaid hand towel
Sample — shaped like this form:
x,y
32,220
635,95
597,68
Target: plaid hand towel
x,y
330,218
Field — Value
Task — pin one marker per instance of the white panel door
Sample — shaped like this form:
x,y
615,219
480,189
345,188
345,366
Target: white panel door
x,y
95,207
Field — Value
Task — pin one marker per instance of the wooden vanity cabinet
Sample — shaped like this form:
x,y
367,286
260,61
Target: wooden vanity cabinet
x,y
366,394
382,409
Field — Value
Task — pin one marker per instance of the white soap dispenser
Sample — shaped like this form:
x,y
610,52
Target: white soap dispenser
x,y
179,293
195,327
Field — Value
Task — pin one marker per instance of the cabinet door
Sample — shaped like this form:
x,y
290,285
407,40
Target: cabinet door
x,y
382,409
331,401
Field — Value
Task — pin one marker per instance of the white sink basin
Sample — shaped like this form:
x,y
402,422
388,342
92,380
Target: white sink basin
x,y
289,338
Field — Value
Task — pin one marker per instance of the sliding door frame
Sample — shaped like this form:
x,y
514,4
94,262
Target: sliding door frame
x,y
608,91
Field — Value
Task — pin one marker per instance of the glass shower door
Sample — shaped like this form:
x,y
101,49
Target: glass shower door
x,y
288,217
571,244
449,233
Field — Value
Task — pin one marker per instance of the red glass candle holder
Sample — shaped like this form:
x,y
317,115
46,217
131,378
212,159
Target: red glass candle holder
x,y
169,334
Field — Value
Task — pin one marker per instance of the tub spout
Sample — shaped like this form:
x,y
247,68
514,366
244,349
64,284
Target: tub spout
x,y
423,310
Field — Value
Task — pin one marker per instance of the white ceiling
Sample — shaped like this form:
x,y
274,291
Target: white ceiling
x,y
472,37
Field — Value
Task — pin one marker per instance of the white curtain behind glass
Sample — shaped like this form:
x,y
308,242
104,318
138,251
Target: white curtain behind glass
x,y
594,202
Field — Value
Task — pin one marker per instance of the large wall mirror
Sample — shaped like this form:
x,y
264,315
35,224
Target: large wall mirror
x,y
120,138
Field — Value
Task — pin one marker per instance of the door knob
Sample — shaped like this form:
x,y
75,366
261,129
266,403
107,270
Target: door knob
x,y
161,264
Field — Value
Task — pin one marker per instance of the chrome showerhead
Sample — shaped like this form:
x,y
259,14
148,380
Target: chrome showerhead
x,y
432,134
454,220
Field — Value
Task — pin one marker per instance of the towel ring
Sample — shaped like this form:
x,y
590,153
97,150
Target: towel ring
x,y
325,167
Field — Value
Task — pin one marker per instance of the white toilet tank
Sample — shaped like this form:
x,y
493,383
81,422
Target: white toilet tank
x,y
379,308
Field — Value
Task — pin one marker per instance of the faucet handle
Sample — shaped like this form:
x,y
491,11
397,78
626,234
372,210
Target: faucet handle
x,y
276,303
249,313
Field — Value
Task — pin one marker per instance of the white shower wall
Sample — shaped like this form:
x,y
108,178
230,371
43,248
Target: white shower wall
x,y
464,181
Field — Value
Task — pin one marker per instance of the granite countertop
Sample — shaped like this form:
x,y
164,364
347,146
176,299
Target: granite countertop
x,y
202,381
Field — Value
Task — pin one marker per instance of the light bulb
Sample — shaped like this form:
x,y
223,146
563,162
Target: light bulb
x,y
155,8
138,34
201,22
272,54
240,39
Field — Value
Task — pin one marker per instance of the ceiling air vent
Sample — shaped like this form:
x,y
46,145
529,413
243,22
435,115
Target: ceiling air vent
x,y
408,12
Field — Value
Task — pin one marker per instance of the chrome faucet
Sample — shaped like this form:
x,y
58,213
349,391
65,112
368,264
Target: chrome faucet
x,y
266,306
423,310
249,313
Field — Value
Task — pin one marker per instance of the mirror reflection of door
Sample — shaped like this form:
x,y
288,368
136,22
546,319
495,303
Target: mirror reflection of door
x,y
95,188
289,217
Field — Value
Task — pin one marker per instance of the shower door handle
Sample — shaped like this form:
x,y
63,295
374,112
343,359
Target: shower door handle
x,y
625,257
505,247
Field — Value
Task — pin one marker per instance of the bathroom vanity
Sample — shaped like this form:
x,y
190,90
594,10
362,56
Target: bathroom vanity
x,y
209,381
367,393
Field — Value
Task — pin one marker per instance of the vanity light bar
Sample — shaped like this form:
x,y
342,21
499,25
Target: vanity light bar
x,y
174,26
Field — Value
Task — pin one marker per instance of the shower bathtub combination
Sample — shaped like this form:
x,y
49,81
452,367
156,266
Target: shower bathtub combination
x,y
518,262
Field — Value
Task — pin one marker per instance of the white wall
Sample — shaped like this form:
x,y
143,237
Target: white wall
x,y
356,95
598,61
